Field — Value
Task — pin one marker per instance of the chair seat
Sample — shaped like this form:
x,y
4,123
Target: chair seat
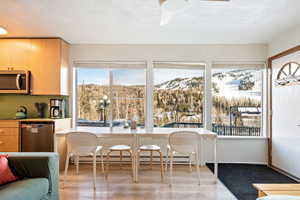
x,y
149,148
86,151
120,148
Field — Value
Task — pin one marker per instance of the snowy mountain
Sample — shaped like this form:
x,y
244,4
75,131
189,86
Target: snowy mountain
x,y
229,83
181,83
238,83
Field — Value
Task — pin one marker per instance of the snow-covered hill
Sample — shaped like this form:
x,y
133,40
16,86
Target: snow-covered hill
x,y
229,83
181,83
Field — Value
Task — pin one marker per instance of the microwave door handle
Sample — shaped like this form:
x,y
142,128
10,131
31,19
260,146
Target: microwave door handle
x,y
18,81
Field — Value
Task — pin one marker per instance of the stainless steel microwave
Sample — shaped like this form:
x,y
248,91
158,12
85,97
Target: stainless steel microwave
x,y
15,81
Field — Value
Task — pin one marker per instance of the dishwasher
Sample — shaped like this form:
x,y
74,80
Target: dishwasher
x,y
37,136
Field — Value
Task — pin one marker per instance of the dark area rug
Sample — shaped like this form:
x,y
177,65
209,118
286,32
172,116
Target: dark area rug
x,y
238,178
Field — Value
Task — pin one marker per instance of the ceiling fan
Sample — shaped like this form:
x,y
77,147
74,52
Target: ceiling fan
x,y
169,8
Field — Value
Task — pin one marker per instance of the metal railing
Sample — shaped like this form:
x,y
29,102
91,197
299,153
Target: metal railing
x,y
236,130
225,130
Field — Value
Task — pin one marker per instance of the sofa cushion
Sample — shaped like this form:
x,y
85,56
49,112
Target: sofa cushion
x,y
6,175
33,189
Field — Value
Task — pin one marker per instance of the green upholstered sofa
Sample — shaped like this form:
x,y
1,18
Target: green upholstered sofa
x,y
39,177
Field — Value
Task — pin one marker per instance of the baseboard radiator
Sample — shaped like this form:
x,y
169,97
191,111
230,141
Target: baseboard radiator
x,y
143,159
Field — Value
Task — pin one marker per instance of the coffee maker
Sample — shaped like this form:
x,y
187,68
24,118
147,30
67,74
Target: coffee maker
x,y
57,108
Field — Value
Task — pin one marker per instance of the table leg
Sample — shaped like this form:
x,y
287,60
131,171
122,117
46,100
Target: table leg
x,y
215,159
135,157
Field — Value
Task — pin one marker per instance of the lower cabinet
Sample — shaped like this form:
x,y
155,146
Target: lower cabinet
x,y
9,136
10,133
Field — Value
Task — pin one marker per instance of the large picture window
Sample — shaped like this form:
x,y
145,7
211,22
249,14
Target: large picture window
x,y
237,101
178,95
111,96
115,94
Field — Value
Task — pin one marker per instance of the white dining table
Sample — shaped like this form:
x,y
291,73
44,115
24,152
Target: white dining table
x,y
138,133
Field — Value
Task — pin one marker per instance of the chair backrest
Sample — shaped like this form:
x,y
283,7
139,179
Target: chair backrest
x,y
184,141
81,142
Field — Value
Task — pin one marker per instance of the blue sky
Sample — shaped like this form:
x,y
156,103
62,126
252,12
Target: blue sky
x,y
132,76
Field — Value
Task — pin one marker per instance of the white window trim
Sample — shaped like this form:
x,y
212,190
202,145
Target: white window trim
x,y
148,100
94,64
194,66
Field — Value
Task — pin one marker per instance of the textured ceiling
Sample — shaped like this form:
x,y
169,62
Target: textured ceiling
x,y
137,21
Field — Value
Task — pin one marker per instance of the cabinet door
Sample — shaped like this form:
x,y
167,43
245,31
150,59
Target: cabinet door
x,y
45,67
5,54
64,70
9,136
20,53
15,53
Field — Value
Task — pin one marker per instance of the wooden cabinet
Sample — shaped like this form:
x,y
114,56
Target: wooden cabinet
x,y
9,136
49,67
47,59
15,53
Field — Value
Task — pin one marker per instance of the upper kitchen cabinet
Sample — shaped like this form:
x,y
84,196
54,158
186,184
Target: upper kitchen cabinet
x,y
49,67
46,58
15,53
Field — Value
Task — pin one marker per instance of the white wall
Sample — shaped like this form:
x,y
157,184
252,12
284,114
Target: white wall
x,y
285,145
286,40
286,120
231,150
168,52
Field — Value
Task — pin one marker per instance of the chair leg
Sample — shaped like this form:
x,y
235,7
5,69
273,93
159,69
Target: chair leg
x,y
102,162
167,159
190,162
198,169
66,168
161,165
171,169
151,159
132,164
94,170
107,163
138,159
77,164
121,159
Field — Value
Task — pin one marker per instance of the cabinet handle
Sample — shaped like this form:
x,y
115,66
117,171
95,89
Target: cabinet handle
x,y
1,131
1,142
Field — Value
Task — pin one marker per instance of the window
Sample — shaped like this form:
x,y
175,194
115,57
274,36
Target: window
x,y
178,95
92,86
111,96
237,101
128,94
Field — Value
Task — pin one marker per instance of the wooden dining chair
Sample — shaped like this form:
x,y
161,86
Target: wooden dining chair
x,y
151,149
82,144
121,149
186,143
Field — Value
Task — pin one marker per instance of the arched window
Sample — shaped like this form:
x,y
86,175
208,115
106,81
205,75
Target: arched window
x,y
288,74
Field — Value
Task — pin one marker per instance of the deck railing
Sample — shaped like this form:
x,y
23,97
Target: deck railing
x,y
220,129
224,130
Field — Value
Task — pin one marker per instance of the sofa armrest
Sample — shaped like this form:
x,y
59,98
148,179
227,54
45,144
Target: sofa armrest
x,y
37,165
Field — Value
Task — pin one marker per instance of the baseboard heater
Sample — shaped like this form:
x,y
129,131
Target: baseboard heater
x,y
126,159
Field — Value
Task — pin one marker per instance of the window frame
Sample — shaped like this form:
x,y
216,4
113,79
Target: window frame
x,y
200,65
110,78
149,81
263,91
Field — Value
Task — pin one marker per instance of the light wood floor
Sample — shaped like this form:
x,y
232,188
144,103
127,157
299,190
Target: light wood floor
x,y
119,185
